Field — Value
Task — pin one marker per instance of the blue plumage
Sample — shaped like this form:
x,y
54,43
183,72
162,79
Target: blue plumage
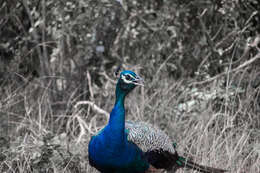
x,y
134,147
110,151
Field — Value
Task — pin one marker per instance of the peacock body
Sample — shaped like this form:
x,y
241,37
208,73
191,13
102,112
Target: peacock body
x,y
134,147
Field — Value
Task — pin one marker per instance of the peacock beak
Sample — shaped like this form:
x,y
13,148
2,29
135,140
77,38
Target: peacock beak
x,y
139,81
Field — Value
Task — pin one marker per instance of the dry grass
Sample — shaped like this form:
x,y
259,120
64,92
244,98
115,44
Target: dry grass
x,y
219,129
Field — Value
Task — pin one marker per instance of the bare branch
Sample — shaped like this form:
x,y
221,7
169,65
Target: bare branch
x,y
256,57
90,86
93,106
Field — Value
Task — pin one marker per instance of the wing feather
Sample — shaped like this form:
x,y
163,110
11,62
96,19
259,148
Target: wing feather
x,y
148,137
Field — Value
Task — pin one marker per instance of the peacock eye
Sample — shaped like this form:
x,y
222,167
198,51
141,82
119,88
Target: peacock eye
x,y
127,77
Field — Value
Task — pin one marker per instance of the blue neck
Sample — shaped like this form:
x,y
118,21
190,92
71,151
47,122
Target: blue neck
x,y
120,95
116,122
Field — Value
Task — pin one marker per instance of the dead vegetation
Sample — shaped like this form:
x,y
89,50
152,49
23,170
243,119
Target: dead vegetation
x,y
200,61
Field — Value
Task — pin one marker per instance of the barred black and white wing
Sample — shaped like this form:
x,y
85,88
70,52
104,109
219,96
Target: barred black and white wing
x,y
148,137
156,144
159,149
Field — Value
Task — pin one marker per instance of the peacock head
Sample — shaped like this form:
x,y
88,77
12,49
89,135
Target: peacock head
x,y
128,80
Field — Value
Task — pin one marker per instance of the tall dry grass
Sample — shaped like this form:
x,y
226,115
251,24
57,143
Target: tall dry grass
x,y
214,124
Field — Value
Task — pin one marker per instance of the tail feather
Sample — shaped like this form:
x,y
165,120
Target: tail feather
x,y
182,162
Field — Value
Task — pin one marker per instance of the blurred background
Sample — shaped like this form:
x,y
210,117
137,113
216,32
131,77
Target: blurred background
x,y
200,60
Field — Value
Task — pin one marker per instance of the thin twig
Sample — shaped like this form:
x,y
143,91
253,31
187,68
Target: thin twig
x,y
43,28
94,107
251,16
107,77
90,86
256,57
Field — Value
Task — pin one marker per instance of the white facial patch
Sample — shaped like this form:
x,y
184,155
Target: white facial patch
x,y
123,77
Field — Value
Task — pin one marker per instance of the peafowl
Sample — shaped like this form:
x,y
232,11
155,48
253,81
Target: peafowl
x,y
135,147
